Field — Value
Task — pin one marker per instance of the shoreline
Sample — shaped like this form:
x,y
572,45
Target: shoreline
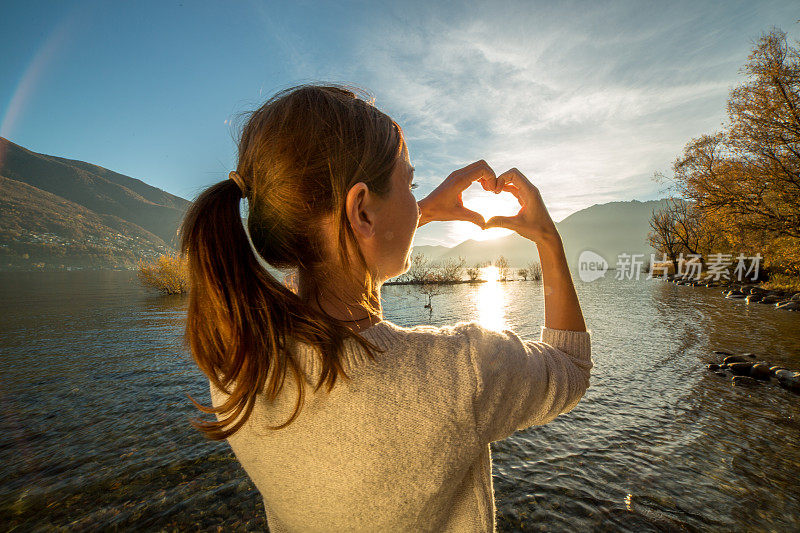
x,y
750,292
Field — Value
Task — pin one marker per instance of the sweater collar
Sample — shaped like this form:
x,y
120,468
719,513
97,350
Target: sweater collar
x,y
383,334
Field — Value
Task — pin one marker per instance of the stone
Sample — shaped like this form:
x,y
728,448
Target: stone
x,y
734,359
795,297
712,366
774,369
788,305
740,369
746,381
753,298
750,355
760,371
722,352
789,380
720,373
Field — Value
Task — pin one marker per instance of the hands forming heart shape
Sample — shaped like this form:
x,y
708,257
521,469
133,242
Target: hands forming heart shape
x,y
444,203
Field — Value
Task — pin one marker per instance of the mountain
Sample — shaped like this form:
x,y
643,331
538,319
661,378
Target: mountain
x,y
518,250
61,213
431,251
607,229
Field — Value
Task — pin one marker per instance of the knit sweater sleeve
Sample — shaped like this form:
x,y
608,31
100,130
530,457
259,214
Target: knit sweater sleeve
x,y
520,383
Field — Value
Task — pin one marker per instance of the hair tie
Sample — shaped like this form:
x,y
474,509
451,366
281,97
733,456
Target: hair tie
x,y
239,181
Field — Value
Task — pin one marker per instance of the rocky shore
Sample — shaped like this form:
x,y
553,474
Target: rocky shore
x,y
745,371
749,292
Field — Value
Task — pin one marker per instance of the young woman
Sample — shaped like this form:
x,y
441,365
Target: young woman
x,y
398,437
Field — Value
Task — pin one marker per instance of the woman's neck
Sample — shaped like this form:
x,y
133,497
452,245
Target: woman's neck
x,y
340,301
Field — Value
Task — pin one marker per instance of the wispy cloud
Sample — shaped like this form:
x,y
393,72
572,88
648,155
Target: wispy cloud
x,y
587,101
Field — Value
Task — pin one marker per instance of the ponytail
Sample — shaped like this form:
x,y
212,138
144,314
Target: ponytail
x,y
239,316
299,154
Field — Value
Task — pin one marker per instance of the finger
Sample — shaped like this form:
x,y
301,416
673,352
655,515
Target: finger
x,y
516,177
471,216
475,171
500,183
510,187
501,222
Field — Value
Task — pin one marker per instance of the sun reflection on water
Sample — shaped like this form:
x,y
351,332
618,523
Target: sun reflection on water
x,y
491,300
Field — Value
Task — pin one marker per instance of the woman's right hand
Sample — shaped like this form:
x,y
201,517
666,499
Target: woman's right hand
x,y
533,220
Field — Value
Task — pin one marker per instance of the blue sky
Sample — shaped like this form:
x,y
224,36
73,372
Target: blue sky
x,y
588,99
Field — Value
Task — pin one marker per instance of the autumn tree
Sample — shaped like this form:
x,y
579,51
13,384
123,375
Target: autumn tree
x,y
742,184
420,268
452,269
473,273
764,135
534,270
662,236
503,268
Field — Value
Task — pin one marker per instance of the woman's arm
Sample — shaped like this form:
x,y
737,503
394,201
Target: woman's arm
x,y
561,307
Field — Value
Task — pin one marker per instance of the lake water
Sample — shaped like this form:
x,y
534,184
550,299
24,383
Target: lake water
x,y
94,429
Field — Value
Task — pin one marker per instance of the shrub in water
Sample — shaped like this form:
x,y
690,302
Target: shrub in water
x,y
167,273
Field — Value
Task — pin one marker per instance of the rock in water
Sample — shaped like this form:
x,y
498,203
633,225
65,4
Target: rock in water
x,y
789,380
760,371
746,381
774,369
733,359
740,369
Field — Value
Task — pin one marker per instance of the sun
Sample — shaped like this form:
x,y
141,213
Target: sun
x,y
491,273
488,205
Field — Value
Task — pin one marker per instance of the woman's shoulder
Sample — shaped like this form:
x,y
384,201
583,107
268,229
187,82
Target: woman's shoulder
x,y
391,332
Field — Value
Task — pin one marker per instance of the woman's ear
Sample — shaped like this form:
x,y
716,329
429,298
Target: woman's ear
x,y
358,207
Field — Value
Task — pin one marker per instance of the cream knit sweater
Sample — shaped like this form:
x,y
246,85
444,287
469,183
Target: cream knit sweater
x,y
404,445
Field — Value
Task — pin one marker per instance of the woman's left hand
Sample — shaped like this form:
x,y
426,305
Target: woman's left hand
x,y
445,203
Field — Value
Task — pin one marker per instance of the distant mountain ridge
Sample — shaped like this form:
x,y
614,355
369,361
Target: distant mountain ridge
x,y
62,213
608,229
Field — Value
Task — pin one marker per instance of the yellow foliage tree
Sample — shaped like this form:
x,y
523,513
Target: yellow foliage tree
x,y
742,184
167,273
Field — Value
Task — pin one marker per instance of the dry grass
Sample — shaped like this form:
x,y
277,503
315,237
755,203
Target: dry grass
x,y
782,282
167,273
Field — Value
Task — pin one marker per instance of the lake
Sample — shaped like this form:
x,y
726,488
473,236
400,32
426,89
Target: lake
x,y
95,430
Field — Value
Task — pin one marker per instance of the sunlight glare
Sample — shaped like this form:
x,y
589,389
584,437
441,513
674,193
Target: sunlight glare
x,y
491,300
488,205
491,273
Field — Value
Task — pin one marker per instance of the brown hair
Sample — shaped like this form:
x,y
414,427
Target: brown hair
x,y
299,154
